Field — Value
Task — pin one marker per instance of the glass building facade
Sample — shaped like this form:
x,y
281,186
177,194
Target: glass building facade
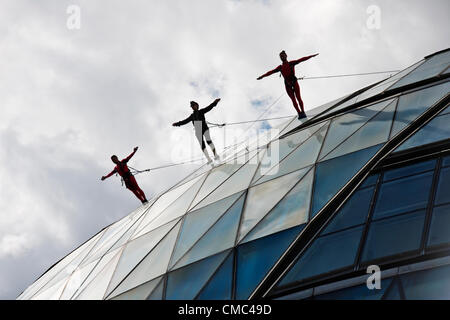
x,y
364,180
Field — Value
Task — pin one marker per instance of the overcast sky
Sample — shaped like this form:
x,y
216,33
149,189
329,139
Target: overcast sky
x,y
69,98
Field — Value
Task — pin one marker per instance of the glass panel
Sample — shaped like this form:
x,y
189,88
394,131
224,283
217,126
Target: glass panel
x,y
370,181
219,287
440,224
431,284
446,161
412,105
409,170
436,130
197,223
361,292
293,124
393,293
239,181
383,239
333,174
186,282
75,281
175,210
303,156
97,288
324,107
216,177
353,213
443,190
139,293
263,197
220,237
387,83
372,133
291,211
135,251
163,202
345,125
255,258
51,293
157,294
327,253
406,194
153,265
430,68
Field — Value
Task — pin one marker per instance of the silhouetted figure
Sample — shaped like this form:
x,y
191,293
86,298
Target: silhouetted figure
x,y
287,69
130,182
201,127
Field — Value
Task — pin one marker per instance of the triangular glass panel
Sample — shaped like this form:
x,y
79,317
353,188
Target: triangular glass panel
x,y
157,294
332,175
293,210
51,293
303,156
374,132
76,279
220,285
220,237
97,288
412,105
198,223
139,293
135,251
263,197
344,126
153,265
186,282
255,258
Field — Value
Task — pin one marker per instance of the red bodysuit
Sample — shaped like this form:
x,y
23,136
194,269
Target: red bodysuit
x,y
287,69
130,182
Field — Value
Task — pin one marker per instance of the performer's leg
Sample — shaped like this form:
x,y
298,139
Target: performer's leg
x,y
291,94
209,142
199,136
297,94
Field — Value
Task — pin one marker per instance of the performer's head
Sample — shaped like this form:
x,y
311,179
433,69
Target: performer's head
x,y
114,159
194,105
283,56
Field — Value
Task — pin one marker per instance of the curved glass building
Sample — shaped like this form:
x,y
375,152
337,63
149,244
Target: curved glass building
x,y
362,184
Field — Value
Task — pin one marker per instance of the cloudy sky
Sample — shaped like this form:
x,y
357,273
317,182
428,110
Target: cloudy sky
x,y
71,97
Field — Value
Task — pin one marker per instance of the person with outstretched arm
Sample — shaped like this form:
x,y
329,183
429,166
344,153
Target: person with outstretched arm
x,y
201,127
130,182
287,69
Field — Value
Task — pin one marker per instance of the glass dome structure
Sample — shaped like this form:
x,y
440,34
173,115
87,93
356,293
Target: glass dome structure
x,y
364,180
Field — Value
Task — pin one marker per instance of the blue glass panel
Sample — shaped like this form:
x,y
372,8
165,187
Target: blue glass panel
x,y
360,292
443,190
383,238
403,195
327,253
220,237
431,284
333,174
440,226
374,132
186,282
353,213
436,130
370,181
412,105
219,287
158,292
430,68
409,170
255,258
393,293
446,161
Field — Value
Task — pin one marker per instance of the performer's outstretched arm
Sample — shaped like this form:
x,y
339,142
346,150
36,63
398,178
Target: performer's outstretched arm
x,y
277,69
212,105
131,155
182,122
109,174
294,62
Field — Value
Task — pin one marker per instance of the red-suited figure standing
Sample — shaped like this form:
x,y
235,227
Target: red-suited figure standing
x,y
130,182
287,69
